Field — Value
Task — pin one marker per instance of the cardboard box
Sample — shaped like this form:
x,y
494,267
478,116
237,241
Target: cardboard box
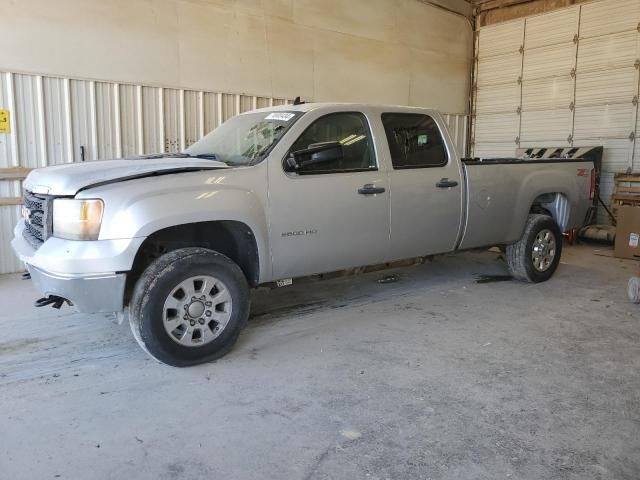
x,y
628,233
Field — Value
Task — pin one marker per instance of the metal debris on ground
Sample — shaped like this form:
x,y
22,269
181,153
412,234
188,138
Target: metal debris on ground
x,y
633,289
493,278
389,279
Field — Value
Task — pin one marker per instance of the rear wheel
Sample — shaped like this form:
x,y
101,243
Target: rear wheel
x,y
189,306
535,257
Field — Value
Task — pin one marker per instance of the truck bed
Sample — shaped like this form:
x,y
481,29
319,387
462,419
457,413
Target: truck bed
x,y
499,194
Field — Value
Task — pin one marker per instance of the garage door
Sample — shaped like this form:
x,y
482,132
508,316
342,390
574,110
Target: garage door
x,y
578,84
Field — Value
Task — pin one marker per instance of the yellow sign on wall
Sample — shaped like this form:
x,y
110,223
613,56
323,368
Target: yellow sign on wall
x,y
5,124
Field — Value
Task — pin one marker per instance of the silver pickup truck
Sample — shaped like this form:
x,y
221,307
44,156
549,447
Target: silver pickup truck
x,y
177,240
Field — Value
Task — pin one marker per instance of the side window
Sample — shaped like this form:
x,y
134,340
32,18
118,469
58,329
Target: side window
x,y
349,131
414,140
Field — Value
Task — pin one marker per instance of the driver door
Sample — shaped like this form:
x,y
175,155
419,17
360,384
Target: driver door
x,y
333,214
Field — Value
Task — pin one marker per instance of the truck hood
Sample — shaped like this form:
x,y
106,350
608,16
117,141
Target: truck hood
x,y
70,178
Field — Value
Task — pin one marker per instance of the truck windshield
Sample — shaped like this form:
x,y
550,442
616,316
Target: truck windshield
x,y
245,139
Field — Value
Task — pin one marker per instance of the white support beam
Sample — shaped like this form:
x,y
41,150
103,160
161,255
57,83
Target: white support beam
x,y
117,119
42,124
68,138
13,134
139,121
94,120
162,143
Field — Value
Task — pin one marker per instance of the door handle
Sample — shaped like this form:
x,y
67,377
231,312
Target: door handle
x,y
369,189
446,183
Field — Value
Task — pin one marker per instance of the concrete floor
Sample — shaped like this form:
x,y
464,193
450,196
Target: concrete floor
x,y
432,377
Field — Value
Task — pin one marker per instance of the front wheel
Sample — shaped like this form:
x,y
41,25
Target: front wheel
x,y
189,306
536,255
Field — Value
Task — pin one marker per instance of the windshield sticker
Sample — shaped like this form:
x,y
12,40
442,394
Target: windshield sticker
x,y
282,116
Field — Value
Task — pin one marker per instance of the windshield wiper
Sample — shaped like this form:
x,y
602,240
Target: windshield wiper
x,y
206,156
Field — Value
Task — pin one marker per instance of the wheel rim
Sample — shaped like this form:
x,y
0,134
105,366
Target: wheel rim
x,y
197,311
544,250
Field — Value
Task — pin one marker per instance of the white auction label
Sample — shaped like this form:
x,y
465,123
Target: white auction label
x,y
282,116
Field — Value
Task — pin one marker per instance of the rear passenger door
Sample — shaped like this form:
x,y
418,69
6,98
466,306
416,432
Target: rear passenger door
x,y
426,186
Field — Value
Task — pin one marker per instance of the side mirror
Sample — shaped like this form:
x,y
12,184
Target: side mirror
x,y
301,160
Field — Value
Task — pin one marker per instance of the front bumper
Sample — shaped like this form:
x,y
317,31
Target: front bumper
x,y
87,273
89,294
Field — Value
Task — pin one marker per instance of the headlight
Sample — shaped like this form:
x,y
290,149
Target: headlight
x,y
77,219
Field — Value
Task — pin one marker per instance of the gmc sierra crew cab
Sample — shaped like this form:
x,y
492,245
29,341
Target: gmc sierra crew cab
x,y
175,241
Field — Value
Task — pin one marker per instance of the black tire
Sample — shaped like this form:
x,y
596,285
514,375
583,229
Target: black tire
x,y
157,282
519,254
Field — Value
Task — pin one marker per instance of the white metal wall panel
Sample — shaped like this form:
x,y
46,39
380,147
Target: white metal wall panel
x,y
172,120
498,98
547,93
130,99
193,117
106,121
7,152
497,90
604,121
607,52
211,111
246,103
153,120
618,85
57,131
228,106
547,126
262,102
634,163
501,38
552,28
8,158
496,128
617,153
83,125
499,70
494,150
457,126
608,17
26,120
552,61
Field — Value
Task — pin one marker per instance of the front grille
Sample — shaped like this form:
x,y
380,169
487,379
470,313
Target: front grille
x,y
38,221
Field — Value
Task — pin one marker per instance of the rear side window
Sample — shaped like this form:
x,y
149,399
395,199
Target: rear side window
x,y
414,140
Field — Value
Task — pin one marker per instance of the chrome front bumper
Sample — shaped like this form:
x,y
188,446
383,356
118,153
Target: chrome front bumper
x,y
89,294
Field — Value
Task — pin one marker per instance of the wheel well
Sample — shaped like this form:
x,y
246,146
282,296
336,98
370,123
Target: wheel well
x,y
554,204
231,238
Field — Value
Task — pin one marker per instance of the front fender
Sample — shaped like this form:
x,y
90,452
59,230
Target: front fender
x,y
139,208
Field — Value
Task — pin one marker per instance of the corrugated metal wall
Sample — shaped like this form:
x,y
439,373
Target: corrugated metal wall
x,y
569,77
62,120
